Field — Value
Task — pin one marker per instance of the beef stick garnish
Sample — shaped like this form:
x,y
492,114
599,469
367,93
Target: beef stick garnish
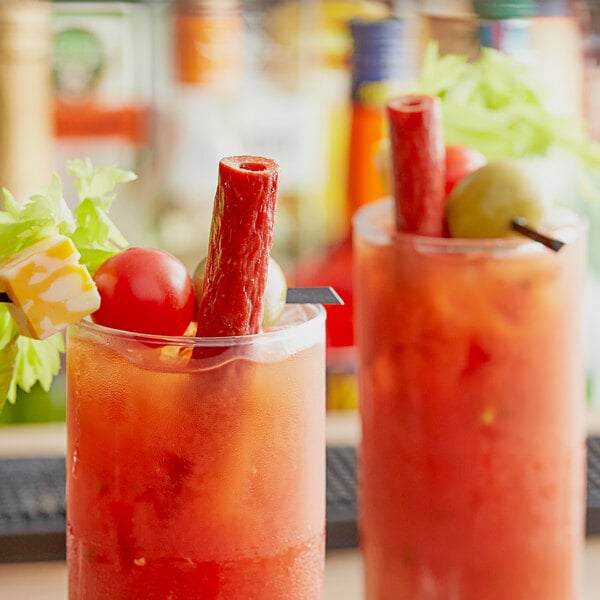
x,y
418,163
241,238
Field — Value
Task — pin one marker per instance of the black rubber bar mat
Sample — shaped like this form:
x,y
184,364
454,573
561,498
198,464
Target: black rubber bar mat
x,y
32,503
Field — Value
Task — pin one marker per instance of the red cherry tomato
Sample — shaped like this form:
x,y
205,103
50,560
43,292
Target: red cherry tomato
x,y
145,290
460,161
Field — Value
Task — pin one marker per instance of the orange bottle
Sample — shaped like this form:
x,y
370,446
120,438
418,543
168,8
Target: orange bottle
x,y
208,41
378,70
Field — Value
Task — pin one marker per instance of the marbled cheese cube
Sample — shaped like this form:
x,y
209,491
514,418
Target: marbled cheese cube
x,y
48,287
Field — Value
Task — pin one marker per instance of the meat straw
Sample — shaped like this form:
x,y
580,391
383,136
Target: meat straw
x,y
418,163
241,238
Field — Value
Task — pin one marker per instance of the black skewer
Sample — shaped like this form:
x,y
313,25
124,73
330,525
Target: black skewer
x,y
313,295
519,224
309,295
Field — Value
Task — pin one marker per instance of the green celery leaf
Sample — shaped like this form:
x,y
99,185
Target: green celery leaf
x,y
496,105
440,73
8,329
95,229
15,236
96,236
56,206
98,182
25,361
38,361
42,215
92,258
8,353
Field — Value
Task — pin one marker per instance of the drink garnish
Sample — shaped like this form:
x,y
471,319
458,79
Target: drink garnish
x,y
274,294
324,294
418,163
241,238
483,203
498,199
33,230
496,105
70,251
145,290
48,287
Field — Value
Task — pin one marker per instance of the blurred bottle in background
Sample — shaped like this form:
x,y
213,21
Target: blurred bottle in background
x,y
378,72
103,68
200,75
546,34
380,69
285,120
450,23
331,47
25,96
246,89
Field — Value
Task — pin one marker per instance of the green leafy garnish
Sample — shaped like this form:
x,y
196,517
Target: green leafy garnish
x,y
25,361
21,224
8,356
96,236
496,105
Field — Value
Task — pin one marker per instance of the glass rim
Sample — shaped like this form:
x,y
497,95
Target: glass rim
x,y
368,220
316,314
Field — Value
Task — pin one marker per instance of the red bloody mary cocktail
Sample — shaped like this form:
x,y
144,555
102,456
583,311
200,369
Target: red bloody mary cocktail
x,y
197,475
471,464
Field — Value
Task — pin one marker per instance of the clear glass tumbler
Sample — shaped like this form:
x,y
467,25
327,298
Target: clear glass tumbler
x,y
196,466
471,384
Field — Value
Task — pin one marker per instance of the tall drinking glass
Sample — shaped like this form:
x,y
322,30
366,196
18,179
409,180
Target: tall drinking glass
x,y
471,464
196,466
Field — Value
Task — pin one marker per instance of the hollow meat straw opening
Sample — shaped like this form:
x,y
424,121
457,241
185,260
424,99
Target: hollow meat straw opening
x,y
411,103
255,164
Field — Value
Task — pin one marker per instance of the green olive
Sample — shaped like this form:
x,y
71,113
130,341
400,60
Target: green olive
x,y
275,290
483,204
